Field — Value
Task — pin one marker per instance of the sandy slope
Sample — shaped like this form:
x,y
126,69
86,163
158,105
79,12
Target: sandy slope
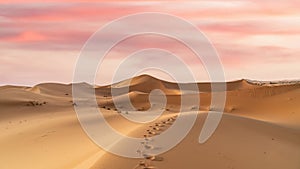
x,y
238,143
260,129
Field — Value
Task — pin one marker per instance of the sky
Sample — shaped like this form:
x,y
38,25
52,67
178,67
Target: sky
x,y
41,41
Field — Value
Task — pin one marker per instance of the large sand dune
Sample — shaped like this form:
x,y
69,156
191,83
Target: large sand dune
x,y
260,128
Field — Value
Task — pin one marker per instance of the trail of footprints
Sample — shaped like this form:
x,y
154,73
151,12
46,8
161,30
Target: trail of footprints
x,y
148,144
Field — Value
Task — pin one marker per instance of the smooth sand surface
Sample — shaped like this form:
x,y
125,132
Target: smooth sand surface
x,y
259,129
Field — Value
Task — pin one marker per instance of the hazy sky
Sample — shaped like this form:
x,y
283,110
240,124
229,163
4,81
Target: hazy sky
x,y
40,42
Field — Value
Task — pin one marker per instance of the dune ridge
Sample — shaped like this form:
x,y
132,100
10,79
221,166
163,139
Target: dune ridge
x,y
260,127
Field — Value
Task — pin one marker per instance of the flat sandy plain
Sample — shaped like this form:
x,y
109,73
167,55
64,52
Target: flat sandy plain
x,y
260,128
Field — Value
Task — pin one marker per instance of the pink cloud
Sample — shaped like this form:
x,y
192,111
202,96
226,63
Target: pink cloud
x,y
243,9
59,27
28,36
248,28
57,12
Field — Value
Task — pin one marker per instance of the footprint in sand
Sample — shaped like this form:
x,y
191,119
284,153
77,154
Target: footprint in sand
x,y
156,128
159,125
145,164
166,122
146,138
152,132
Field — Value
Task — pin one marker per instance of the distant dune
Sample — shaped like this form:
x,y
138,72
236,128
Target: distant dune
x,y
260,127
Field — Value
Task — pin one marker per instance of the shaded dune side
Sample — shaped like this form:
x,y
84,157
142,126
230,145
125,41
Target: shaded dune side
x,y
146,83
237,143
239,93
242,97
260,126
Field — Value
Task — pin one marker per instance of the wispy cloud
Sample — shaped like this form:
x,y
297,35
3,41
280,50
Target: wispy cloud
x,y
245,33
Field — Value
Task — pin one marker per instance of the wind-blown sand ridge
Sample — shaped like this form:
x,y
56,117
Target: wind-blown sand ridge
x,y
259,129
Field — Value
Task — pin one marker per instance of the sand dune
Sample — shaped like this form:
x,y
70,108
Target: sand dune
x,y
260,127
238,143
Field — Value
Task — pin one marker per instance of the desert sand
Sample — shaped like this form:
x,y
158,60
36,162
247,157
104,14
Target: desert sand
x,y
260,128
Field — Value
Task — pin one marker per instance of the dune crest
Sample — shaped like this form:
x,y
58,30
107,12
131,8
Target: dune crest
x,y
260,127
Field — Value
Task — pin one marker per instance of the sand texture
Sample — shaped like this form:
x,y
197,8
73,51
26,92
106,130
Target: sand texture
x,y
260,127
